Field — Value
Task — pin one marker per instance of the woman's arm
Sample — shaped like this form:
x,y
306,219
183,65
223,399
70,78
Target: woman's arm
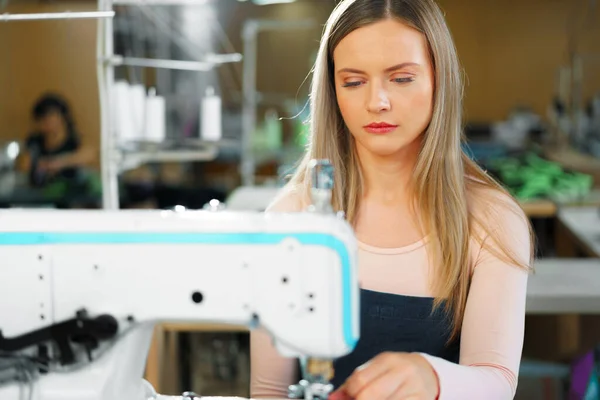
x,y
84,156
494,320
270,373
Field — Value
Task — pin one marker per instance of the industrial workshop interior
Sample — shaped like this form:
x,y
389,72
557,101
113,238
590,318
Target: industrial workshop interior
x,y
142,141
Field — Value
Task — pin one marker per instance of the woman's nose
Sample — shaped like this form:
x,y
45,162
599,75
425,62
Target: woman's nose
x,y
378,100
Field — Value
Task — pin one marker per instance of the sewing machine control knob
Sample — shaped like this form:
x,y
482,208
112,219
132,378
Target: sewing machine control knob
x,y
214,205
322,176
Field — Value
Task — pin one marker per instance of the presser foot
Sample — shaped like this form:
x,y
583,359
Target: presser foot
x,y
310,390
315,385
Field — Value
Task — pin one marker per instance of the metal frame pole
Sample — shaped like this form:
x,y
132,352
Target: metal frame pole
x,y
247,168
202,66
160,2
249,90
6,17
108,152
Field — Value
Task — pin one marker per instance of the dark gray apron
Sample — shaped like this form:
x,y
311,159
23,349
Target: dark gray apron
x,y
397,323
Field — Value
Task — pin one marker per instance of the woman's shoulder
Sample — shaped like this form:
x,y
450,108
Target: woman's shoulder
x,y
488,202
498,219
290,198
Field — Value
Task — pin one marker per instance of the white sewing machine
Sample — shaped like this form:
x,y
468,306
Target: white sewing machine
x,y
81,291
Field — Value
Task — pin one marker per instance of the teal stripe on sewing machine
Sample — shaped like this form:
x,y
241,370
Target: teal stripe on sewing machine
x,y
318,239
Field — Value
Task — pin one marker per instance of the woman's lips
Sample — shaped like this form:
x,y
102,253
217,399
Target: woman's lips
x,y
380,127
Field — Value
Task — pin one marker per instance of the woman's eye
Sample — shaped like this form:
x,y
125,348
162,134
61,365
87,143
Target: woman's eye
x,y
403,80
351,84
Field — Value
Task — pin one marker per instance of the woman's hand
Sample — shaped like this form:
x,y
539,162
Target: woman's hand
x,y
391,376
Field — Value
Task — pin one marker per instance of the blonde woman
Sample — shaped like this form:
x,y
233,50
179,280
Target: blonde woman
x,y
445,252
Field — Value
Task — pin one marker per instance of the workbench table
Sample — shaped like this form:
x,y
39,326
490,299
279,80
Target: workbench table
x,y
539,208
578,231
564,286
577,235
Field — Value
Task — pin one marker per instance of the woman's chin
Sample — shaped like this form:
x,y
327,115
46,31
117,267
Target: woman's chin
x,y
385,149
386,146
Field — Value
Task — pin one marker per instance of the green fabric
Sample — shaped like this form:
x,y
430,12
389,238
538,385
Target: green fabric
x,y
531,177
87,186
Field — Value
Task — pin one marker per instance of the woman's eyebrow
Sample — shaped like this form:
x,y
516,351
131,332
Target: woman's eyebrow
x,y
390,69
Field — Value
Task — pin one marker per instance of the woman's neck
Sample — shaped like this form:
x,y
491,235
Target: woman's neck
x,y
387,179
387,202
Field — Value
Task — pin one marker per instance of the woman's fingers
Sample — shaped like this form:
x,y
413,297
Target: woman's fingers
x,y
340,395
366,374
384,387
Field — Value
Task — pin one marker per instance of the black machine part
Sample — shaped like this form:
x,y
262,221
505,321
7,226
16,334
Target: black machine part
x,y
81,330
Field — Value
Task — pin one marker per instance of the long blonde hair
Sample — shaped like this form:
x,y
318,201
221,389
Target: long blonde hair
x,y
443,174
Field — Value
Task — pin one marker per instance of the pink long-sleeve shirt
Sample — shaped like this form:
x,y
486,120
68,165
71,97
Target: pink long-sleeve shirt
x,y
493,327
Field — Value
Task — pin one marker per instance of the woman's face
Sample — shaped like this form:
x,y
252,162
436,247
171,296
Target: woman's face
x,y
51,123
384,87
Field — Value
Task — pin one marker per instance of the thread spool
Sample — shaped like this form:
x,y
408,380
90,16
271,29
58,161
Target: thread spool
x,y
210,115
155,117
123,123
137,95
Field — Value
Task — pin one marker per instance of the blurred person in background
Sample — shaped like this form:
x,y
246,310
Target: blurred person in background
x,y
56,160
54,149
